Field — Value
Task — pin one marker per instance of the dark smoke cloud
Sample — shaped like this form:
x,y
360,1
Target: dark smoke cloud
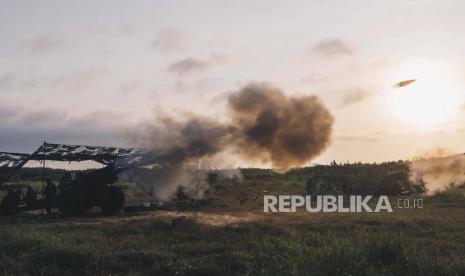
x,y
179,141
265,126
178,144
278,129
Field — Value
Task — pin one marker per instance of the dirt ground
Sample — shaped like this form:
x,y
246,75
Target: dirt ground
x,y
210,218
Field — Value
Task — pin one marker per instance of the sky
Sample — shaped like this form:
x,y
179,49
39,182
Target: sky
x,y
89,72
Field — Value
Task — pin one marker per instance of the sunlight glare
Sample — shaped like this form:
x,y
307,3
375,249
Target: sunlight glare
x,y
431,100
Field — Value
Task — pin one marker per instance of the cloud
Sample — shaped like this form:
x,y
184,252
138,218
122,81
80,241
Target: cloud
x,y
130,86
188,65
76,80
220,98
84,77
99,118
365,139
41,117
44,44
6,80
355,96
191,64
20,139
7,114
29,116
23,128
333,47
170,39
219,57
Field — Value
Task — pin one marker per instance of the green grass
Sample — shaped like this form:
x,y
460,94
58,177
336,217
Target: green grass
x,y
427,241
451,195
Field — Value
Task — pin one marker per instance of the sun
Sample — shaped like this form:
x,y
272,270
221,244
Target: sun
x,y
432,100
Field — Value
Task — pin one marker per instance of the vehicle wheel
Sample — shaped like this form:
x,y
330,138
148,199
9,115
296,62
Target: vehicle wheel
x,y
68,202
113,200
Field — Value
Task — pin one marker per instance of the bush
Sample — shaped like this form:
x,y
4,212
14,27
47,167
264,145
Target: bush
x,y
448,195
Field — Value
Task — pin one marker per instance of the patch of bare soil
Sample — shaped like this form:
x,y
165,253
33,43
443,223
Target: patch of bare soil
x,y
207,218
200,217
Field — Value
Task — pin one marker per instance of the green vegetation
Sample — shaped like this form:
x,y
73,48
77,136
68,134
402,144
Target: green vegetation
x,y
388,178
37,174
414,242
427,241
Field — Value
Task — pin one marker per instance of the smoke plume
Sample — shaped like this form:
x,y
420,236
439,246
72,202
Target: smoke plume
x,y
265,126
280,130
179,141
438,172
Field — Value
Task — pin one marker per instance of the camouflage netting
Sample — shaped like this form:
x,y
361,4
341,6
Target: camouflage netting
x,y
121,158
8,159
59,152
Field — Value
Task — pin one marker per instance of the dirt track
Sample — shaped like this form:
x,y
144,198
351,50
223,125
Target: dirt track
x,y
201,217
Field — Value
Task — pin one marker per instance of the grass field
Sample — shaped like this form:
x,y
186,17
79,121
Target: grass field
x,y
230,234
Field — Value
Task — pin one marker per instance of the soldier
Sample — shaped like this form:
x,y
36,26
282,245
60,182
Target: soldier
x,y
311,185
7,206
30,197
50,195
212,178
17,196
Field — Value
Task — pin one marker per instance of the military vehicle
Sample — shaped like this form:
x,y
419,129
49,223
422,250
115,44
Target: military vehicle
x,y
78,190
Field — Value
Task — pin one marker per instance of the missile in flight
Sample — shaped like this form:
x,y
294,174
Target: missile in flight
x,y
404,83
